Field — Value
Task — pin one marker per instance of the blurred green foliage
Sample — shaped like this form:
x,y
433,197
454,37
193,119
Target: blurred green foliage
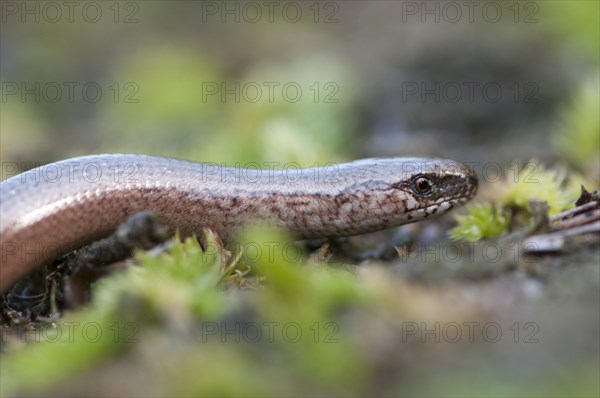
x,y
178,320
509,201
575,22
578,136
307,119
176,294
18,117
162,108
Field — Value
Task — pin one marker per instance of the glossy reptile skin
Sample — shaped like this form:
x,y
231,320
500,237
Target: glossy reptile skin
x,y
53,209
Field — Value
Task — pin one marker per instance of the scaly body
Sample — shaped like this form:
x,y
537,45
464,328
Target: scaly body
x,y
53,209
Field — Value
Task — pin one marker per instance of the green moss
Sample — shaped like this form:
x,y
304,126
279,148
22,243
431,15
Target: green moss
x,y
182,281
56,352
510,206
331,332
170,299
483,220
168,290
536,182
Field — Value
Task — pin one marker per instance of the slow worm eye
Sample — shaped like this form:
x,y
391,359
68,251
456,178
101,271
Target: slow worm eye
x,y
422,185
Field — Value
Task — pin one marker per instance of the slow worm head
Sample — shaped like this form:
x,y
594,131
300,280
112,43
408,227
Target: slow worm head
x,y
50,210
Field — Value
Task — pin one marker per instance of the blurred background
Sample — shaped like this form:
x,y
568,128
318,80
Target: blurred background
x,y
305,82
316,82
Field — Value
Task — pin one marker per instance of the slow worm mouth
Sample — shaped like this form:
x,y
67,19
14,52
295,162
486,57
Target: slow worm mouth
x,y
451,202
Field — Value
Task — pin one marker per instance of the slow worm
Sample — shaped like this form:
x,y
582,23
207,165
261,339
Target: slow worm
x,y
51,210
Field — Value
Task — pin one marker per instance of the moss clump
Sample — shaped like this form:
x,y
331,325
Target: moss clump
x,y
509,205
484,220
536,182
